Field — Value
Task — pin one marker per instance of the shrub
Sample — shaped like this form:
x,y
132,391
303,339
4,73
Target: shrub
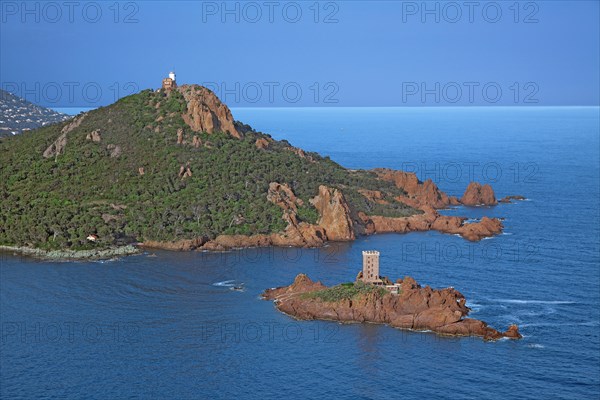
x,y
344,291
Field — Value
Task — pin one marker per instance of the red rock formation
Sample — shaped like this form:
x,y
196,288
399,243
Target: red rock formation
x,y
334,214
302,284
300,234
296,233
508,199
474,231
442,311
431,220
180,136
205,112
73,124
196,142
261,143
281,195
94,136
57,147
513,332
376,196
418,194
184,172
477,195
336,224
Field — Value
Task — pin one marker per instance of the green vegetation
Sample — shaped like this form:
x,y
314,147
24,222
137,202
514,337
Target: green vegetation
x,y
344,291
56,203
308,213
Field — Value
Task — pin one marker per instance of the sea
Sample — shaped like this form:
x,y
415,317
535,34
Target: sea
x,y
192,325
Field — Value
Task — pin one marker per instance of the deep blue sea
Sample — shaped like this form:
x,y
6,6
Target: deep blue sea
x,y
169,325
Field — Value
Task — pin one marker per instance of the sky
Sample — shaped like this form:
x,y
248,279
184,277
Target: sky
x,y
306,53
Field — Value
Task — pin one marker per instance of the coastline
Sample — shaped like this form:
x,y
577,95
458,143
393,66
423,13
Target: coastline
x,y
71,255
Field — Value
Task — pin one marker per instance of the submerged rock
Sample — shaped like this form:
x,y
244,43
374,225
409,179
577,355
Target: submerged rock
x,y
508,199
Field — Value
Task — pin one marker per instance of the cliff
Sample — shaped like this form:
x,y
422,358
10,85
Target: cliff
x,y
443,311
205,112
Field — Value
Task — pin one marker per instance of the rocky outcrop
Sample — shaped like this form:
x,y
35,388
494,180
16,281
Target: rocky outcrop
x,y
334,214
300,153
282,196
94,136
376,196
302,284
432,220
184,172
180,136
196,142
442,311
508,199
73,124
474,231
261,143
114,150
337,224
296,233
57,147
205,112
478,195
418,194
299,234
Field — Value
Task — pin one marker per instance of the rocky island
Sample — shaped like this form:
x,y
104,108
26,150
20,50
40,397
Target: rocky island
x,y
171,168
403,304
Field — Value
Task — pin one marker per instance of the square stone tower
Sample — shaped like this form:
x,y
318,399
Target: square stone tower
x,y
169,83
370,266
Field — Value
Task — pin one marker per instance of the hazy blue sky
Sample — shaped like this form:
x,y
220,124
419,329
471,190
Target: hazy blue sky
x,y
280,53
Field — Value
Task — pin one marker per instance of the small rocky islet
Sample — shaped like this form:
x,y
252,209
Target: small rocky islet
x,y
443,311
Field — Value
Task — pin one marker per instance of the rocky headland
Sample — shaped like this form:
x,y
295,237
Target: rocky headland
x,y
339,222
172,169
442,311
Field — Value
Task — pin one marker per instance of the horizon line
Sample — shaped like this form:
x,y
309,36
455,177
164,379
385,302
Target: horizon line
x,y
58,109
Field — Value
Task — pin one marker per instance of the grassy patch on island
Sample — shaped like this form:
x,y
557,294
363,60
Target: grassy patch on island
x,y
344,291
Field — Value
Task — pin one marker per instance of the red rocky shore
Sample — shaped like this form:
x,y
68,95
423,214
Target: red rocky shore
x,y
338,222
415,308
